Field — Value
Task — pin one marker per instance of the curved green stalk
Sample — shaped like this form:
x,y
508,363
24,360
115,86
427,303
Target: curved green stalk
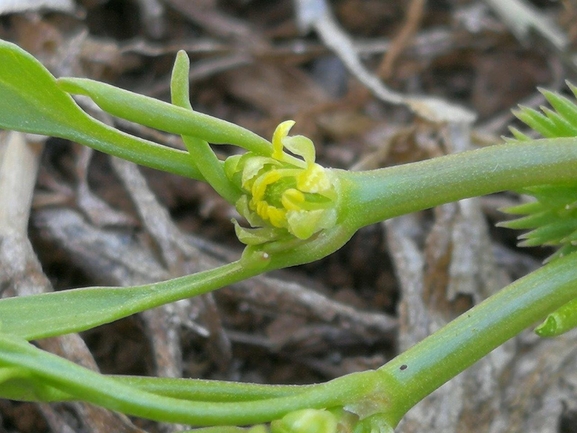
x,y
50,372
164,116
103,138
376,195
210,390
31,101
34,317
14,387
201,154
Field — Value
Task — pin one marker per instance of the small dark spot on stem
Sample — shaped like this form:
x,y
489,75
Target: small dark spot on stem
x,y
403,367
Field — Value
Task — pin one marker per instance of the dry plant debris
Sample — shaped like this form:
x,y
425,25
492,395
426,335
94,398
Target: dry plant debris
x,y
374,84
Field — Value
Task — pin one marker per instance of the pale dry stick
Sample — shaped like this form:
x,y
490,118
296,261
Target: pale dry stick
x,y
414,16
523,19
62,6
316,14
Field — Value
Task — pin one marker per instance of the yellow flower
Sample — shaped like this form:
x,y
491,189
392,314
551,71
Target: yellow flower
x,y
283,193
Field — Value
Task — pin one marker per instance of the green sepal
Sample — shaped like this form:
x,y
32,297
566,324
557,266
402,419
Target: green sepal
x,y
258,235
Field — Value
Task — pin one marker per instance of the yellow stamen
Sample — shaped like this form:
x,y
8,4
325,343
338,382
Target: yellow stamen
x,y
280,132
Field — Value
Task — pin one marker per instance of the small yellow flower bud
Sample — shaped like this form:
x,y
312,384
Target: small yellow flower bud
x,y
284,195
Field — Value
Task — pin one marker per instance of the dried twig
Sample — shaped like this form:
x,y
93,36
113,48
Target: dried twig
x,y
316,14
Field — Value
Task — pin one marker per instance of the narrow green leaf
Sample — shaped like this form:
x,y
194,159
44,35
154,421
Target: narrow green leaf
x,y
523,208
164,116
57,313
563,127
549,233
518,135
527,222
572,87
553,196
31,101
45,376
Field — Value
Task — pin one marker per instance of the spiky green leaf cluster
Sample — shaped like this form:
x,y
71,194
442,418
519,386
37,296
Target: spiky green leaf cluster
x,y
551,219
560,122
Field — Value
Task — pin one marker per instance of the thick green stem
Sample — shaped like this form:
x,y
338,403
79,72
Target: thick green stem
x,y
426,366
376,195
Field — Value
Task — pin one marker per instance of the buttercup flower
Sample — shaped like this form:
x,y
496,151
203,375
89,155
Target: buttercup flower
x,y
283,194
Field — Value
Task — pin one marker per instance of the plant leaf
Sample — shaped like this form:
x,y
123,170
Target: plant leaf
x,y
164,116
56,313
31,101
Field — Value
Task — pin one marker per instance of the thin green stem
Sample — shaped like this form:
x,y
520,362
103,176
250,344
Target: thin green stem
x,y
423,368
202,156
164,116
200,390
105,139
33,317
210,390
376,195
52,371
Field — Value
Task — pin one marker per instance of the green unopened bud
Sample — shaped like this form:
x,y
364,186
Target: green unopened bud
x,y
306,421
284,195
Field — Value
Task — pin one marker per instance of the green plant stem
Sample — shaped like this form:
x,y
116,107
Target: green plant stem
x,y
210,390
106,139
52,372
201,154
200,390
377,195
417,372
164,116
